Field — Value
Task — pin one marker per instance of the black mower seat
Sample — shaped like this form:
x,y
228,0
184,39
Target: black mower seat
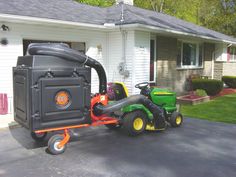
x,y
119,90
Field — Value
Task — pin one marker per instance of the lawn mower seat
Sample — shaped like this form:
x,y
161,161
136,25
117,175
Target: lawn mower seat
x,y
117,91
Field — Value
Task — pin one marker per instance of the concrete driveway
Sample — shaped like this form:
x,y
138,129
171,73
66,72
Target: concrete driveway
x,y
197,149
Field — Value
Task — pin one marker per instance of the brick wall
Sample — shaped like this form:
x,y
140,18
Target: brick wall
x,y
167,74
229,69
224,69
218,70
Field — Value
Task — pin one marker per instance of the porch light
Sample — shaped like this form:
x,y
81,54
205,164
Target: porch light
x,y
5,28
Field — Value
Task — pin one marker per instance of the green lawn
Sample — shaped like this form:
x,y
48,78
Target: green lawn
x,y
222,109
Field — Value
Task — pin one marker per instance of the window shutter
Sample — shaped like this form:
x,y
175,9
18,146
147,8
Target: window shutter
x,y
178,61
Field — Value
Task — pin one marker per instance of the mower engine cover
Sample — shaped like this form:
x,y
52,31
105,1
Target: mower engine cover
x,y
164,98
51,92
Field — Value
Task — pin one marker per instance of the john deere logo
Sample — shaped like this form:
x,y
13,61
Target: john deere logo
x,y
62,99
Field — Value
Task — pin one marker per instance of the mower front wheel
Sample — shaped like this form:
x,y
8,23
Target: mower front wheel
x,y
176,119
134,123
53,143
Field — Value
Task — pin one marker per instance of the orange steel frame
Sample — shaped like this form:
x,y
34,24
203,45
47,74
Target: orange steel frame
x,y
96,120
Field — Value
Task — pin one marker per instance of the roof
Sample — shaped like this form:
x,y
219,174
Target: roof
x,y
69,10
65,10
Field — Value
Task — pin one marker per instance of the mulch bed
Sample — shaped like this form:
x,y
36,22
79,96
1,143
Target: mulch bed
x,y
225,91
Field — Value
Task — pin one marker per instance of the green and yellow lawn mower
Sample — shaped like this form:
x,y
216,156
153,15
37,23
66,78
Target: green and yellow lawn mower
x,y
141,116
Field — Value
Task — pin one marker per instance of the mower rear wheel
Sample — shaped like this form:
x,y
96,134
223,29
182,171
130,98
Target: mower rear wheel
x,y
176,119
39,137
53,145
134,123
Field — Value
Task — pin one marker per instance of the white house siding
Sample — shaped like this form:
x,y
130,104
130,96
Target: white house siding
x,y
115,57
137,58
95,46
130,58
141,59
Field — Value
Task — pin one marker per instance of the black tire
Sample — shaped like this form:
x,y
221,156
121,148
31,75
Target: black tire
x,y
52,145
129,120
113,126
176,119
39,137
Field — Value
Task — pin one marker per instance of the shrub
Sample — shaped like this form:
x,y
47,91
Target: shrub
x,y
230,81
200,92
211,86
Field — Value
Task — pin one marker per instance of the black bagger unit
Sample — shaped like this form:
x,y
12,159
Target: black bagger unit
x,y
41,83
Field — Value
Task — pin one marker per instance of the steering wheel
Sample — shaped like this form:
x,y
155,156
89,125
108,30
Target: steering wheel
x,y
142,85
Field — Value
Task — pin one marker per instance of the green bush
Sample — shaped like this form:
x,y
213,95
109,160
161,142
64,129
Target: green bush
x,y
230,81
211,86
200,92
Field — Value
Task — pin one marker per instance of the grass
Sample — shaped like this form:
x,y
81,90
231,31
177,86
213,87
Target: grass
x,y
221,109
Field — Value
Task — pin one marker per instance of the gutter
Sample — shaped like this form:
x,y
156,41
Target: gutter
x,y
36,20
105,26
158,29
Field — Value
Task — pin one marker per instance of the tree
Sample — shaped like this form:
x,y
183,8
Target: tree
x,y
184,9
219,15
156,5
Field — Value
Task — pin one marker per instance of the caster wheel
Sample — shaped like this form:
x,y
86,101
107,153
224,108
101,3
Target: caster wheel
x,y
39,137
53,145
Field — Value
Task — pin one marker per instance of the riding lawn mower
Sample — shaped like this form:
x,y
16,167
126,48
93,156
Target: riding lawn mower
x,y
52,93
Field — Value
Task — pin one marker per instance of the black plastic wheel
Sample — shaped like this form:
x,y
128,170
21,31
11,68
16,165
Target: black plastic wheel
x,y
134,123
53,145
38,136
113,126
176,119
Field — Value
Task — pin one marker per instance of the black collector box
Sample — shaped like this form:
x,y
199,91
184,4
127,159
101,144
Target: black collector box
x,y
51,92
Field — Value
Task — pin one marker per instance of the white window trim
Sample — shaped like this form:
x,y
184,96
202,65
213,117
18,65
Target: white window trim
x,y
155,59
234,56
182,67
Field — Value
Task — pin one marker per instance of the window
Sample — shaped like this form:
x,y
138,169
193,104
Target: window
x,y
232,53
189,55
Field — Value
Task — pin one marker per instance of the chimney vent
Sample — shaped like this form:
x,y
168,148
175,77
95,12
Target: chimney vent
x,y
130,2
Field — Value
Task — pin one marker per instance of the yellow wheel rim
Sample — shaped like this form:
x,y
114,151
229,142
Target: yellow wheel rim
x,y
138,123
178,120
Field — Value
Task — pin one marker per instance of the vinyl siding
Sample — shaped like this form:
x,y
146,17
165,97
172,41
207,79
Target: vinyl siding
x,y
115,51
141,60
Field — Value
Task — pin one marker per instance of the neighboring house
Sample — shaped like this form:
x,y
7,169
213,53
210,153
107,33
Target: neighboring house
x,y
133,44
